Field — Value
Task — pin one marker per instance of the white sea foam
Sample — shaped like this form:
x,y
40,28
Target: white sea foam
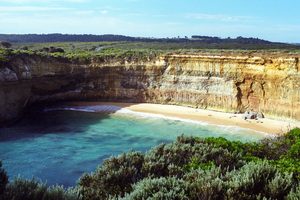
x,y
123,112
128,113
139,115
100,109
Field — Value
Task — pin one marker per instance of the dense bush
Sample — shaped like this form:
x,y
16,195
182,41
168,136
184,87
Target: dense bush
x,y
159,188
252,181
114,177
258,179
205,184
21,189
282,151
210,168
294,194
186,153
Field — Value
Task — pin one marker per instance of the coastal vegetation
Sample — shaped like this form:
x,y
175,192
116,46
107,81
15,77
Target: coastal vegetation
x,y
189,168
134,50
92,47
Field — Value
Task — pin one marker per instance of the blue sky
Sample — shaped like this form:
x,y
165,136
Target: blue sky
x,y
274,20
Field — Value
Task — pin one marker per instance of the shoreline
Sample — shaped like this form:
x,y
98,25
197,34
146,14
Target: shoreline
x,y
266,125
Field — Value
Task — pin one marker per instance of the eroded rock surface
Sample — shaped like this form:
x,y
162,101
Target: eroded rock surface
x,y
268,83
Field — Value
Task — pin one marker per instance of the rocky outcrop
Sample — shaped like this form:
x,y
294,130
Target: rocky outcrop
x,y
268,83
252,115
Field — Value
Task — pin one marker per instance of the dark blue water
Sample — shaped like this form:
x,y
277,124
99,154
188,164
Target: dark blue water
x,y
59,146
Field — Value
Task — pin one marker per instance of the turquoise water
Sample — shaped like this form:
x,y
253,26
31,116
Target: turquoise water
x,y
60,145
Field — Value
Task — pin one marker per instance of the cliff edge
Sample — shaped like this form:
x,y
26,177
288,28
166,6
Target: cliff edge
x,y
230,82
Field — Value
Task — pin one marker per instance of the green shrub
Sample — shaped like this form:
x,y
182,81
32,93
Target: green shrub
x,y
292,139
114,177
294,194
282,151
21,189
159,188
289,165
258,178
255,180
280,185
60,193
287,149
249,151
205,184
195,164
188,152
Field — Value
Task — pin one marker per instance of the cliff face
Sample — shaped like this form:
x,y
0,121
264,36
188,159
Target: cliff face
x,y
229,82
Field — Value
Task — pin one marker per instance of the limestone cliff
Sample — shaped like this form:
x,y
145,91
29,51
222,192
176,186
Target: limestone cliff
x,y
269,83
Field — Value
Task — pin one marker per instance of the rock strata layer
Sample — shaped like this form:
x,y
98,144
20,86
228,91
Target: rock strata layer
x,y
264,83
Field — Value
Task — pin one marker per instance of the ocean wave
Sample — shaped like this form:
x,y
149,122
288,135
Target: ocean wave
x,y
123,112
101,109
139,115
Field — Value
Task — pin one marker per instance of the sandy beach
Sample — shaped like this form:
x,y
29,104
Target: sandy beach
x,y
270,126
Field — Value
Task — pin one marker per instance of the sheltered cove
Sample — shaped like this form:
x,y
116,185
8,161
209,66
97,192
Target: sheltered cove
x,y
228,82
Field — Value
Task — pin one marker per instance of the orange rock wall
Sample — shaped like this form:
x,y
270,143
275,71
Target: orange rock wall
x,y
268,83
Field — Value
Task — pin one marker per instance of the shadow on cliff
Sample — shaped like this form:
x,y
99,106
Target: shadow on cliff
x,y
57,118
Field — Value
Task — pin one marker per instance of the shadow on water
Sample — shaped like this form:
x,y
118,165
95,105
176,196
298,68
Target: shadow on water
x,y
56,119
58,143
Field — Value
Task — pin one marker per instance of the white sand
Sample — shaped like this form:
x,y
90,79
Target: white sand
x,y
266,125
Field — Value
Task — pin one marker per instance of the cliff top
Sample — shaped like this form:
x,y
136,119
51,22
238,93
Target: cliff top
x,y
142,51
